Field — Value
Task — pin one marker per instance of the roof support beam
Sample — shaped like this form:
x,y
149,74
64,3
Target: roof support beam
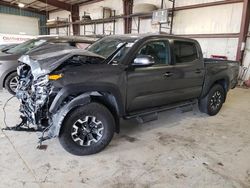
x,y
73,9
59,4
202,5
81,4
75,17
27,5
90,2
25,8
12,2
243,30
127,10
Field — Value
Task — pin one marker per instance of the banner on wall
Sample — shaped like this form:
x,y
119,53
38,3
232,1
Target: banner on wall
x,y
14,39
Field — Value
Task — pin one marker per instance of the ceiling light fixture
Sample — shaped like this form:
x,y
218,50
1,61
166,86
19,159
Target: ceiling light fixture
x,y
21,5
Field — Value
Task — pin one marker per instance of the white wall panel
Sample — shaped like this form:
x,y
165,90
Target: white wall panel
x,y
145,26
216,19
12,24
60,14
219,46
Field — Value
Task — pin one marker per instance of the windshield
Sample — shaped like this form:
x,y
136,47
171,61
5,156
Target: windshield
x,y
106,46
26,46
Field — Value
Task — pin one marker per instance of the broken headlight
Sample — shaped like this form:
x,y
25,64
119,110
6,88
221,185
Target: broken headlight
x,y
41,89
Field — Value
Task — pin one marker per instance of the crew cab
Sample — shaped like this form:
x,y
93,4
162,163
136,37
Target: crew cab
x,y
81,95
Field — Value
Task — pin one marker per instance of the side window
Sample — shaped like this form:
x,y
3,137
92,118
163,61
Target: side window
x,y
159,50
185,51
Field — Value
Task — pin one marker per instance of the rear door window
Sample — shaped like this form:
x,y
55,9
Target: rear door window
x,y
185,52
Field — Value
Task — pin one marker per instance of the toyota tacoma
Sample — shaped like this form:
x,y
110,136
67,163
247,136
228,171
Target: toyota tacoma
x,y
81,95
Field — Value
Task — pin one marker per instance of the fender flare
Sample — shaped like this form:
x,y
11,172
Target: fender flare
x,y
77,89
57,118
207,86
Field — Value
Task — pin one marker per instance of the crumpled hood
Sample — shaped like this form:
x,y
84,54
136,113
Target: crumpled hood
x,y
45,60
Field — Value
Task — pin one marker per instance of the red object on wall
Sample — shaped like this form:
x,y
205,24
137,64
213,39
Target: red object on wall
x,y
219,57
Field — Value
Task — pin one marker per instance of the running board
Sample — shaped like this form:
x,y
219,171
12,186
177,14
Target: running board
x,y
147,118
160,109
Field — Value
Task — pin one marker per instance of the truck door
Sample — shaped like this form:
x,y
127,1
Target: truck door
x,y
189,69
149,86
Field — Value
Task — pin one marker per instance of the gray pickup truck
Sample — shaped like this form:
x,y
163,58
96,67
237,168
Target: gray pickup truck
x,y
80,95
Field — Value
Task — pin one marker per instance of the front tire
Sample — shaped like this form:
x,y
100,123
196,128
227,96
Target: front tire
x,y
213,101
87,129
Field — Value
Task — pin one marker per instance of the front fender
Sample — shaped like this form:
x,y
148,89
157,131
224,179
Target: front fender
x,y
75,89
58,117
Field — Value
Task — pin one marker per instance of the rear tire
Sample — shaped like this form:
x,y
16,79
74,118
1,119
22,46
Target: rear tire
x,y
213,101
87,129
11,82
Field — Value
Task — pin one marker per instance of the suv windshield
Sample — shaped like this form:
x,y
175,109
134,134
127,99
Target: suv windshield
x,y
26,46
106,46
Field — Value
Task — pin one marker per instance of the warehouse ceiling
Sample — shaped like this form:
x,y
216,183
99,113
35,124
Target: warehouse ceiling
x,y
43,5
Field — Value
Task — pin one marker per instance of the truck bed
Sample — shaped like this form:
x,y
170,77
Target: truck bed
x,y
223,67
212,60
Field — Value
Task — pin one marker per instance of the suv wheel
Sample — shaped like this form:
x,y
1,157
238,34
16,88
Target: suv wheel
x,y
213,101
87,129
11,83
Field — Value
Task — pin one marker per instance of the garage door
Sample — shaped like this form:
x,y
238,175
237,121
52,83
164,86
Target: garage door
x,y
12,24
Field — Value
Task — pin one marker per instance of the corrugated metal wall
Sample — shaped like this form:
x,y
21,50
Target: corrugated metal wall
x,y
16,11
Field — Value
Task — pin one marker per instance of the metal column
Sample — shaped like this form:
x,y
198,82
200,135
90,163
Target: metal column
x,y
243,30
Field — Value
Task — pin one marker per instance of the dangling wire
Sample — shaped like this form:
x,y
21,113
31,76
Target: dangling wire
x,y
4,112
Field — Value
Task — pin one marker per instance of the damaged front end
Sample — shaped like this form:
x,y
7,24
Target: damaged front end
x,y
33,93
36,92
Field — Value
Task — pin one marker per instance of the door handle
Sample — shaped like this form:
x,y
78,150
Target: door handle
x,y
168,74
198,71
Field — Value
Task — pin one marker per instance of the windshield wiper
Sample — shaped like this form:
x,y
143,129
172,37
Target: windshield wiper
x,y
6,51
110,58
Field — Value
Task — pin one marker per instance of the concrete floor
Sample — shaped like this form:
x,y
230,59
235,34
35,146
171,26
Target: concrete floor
x,y
179,150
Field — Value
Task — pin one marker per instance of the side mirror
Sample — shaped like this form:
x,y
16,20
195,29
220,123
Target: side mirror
x,y
143,60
